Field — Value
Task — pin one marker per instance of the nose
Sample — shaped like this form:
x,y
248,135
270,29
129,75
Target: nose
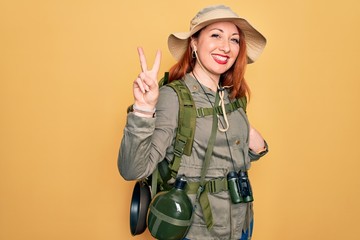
x,y
225,46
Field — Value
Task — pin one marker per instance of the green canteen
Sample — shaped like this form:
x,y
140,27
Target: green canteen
x,y
169,216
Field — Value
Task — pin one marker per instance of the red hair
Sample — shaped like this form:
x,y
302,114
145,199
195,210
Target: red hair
x,y
234,76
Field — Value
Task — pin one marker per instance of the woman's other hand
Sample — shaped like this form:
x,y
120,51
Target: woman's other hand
x,y
256,141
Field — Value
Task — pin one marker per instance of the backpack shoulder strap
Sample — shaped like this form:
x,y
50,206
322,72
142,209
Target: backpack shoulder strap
x,y
242,102
186,124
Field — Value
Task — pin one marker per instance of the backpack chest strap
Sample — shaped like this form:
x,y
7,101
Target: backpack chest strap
x,y
229,107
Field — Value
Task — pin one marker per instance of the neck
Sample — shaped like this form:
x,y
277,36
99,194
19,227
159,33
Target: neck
x,y
206,78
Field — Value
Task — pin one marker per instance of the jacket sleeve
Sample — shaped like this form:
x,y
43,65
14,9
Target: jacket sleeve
x,y
256,156
145,140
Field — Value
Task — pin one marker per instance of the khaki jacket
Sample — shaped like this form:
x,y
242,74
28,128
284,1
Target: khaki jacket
x,y
147,141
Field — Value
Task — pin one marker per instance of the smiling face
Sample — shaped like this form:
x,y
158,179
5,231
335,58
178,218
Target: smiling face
x,y
217,47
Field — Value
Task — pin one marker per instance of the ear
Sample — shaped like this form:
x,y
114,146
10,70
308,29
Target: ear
x,y
193,44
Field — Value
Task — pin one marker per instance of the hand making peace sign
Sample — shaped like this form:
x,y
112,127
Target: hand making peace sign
x,y
145,87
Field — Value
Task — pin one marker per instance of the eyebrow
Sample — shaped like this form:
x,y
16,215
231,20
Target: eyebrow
x,y
219,29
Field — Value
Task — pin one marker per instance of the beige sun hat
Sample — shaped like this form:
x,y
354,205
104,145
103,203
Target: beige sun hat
x,y
255,41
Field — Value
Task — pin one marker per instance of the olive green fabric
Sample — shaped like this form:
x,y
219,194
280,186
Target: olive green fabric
x,y
186,124
202,193
229,107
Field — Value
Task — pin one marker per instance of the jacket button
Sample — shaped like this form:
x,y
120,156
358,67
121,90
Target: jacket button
x,y
237,142
195,88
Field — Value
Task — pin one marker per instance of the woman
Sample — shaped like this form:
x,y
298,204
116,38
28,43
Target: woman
x,y
212,58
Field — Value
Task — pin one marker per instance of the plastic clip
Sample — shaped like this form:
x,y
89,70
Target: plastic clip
x,y
199,191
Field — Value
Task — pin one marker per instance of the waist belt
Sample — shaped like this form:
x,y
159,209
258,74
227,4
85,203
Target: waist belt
x,y
211,186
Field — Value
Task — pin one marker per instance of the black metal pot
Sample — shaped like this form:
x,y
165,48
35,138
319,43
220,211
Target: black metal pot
x,y
140,201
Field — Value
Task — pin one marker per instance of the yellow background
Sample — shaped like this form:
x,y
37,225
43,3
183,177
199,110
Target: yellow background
x,y
66,71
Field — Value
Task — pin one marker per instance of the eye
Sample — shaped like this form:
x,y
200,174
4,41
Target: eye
x,y
215,35
235,40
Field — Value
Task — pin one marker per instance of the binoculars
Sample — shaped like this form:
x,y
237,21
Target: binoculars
x,y
239,187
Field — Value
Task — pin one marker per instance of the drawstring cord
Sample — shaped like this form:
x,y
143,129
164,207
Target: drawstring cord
x,y
222,103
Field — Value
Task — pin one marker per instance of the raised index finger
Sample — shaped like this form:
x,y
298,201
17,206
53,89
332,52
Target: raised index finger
x,y
142,59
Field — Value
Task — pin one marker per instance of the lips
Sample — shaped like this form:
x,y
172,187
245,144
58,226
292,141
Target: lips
x,y
220,59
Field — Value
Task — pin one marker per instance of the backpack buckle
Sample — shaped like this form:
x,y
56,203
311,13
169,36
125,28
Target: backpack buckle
x,y
179,147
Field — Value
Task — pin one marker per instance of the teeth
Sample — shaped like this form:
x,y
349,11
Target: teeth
x,y
220,58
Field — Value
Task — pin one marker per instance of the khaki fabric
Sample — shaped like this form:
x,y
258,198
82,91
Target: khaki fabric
x,y
147,141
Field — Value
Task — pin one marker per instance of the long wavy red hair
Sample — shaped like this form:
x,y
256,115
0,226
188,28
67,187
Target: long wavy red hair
x,y
234,76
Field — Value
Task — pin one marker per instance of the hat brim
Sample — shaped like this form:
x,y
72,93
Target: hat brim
x,y
255,41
